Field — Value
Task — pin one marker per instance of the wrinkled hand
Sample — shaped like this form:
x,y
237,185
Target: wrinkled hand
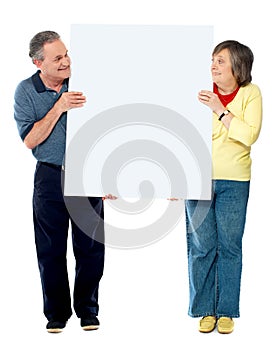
x,y
69,100
174,199
109,196
211,100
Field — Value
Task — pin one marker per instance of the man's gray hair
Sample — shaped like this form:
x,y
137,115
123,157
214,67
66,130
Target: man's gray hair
x,y
38,41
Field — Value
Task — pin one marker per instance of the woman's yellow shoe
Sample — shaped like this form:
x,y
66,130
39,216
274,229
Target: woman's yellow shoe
x,y
207,324
225,325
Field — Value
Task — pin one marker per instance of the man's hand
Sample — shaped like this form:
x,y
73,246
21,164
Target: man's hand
x,y
42,128
109,196
69,100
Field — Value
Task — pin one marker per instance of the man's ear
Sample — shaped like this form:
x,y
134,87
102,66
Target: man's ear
x,y
37,63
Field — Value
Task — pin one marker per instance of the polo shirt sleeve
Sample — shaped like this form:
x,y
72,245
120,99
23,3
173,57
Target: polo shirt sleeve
x,y
24,113
247,128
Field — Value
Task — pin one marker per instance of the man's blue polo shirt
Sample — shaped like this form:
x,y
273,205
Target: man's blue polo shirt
x,y
32,102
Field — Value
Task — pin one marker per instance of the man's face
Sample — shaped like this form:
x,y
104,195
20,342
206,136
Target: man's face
x,y
56,63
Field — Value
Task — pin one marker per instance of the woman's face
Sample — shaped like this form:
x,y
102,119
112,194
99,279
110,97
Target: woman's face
x,y
221,69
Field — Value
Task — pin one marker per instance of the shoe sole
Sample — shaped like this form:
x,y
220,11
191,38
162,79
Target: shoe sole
x,y
207,331
90,328
54,330
225,331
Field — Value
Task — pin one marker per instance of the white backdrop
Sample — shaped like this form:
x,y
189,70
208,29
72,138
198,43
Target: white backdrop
x,y
144,292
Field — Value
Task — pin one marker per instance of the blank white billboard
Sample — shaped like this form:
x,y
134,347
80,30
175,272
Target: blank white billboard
x,y
143,132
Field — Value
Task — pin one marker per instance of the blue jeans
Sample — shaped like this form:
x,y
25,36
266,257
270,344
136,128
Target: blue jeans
x,y
214,243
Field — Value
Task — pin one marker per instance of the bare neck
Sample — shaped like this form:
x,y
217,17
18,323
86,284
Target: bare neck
x,y
53,84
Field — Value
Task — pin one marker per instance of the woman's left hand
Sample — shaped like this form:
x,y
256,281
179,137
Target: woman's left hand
x,y
211,100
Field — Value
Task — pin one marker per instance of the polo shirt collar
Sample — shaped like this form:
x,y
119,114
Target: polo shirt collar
x,y
39,85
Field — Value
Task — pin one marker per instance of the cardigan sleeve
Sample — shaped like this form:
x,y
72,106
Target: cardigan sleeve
x,y
246,128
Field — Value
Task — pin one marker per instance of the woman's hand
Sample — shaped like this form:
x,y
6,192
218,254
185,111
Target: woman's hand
x,y
211,100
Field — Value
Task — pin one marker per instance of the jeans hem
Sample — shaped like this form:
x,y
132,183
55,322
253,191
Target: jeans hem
x,y
213,314
58,318
202,314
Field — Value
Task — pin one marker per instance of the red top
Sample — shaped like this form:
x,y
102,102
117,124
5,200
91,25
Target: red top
x,y
225,99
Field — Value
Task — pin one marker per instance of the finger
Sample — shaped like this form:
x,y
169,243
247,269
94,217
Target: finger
x,y
75,93
203,99
109,196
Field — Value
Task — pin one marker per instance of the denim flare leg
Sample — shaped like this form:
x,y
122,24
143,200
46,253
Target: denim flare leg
x,y
214,244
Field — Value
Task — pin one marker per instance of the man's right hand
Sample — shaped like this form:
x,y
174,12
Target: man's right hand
x,y
69,100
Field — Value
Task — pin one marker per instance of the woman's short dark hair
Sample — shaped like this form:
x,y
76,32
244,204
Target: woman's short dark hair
x,y
38,41
241,58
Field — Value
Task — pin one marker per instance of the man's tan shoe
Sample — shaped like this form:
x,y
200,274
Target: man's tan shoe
x,y
225,325
207,324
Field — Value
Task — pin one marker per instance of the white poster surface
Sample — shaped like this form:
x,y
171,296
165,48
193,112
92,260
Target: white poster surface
x,y
143,132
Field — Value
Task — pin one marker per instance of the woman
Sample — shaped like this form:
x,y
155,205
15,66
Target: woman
x,y
215,228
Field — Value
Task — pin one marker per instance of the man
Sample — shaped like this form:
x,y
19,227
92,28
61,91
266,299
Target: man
x,y
40,110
